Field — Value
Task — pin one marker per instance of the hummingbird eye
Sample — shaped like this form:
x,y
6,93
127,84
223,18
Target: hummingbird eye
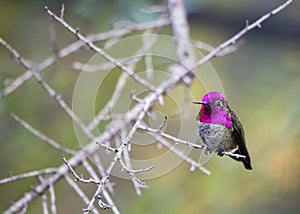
x,y
219,103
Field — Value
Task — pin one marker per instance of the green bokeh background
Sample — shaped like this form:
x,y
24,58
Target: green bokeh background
x,y
261,81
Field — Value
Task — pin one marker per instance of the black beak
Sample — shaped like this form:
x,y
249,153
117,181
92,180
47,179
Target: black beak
x,y
202,103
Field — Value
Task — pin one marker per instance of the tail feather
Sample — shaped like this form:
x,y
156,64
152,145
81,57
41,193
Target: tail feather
x,y
246,161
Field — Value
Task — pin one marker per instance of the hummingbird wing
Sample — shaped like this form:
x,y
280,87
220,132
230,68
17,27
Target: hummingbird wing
x,y
239,139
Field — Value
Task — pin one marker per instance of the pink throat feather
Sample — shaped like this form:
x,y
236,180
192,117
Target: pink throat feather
x,y
214,115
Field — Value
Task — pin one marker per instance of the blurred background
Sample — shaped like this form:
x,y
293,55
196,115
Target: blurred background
x,y
261,81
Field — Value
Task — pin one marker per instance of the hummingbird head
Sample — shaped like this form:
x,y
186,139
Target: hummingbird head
x,y
214,109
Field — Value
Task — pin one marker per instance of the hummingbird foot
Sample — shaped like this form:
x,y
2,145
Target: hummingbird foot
x,y
220,153
233,154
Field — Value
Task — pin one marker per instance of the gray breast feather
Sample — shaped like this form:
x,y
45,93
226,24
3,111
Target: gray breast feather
x,y
217,137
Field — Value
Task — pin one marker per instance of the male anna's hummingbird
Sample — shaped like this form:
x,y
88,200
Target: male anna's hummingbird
x,y
220,129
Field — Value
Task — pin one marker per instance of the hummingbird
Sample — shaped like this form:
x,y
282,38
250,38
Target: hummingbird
x,y
220,128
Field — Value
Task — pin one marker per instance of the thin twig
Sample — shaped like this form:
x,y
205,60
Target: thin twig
x,y
94,67
44,197
233,154
42,136
180,154
51,92
78,178
129,170
44,204
108,185
62,11
12,178
138,184
109,105
75,46
120,84
105,145
127,164
52,199
95,179
98,50
180,27
135,98
117,156
228,50
79,192
154,9
148,42
170,137
163,124
61,102
238,35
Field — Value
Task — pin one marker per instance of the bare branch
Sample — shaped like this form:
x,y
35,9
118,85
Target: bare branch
x,y
91,180
163,123
108,184
228,50
12,178
238,35
62,11
52,199
98,50
180,28
154,9
170,137
79,192
180,154
93,68
135,98
120,84
44,204
78,178
135,182
106,146
42,136
20,60
44,197
125,143
119,32
129,170
232,154
138,184
51,92
103,113
101,204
